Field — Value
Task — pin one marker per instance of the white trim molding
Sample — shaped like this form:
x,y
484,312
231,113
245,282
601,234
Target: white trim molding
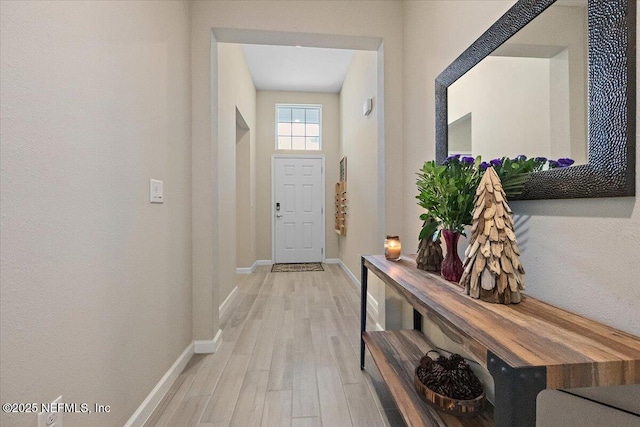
x,y
149,404
227,302
246,270
208,346
252,269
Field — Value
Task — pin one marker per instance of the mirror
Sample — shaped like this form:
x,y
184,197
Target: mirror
x,y
529,96
528,86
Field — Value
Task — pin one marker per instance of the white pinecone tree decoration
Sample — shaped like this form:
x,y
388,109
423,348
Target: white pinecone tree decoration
x,y
492,269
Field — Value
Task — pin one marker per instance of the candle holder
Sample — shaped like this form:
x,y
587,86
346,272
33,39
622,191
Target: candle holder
x,y
392,248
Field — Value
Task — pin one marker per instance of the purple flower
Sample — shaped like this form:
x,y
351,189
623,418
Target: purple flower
x,y
520,158
453,157
565,161
484,166
553,164
540,159
496,162
468,160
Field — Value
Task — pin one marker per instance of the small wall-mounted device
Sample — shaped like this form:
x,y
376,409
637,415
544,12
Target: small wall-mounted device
x,y
367,107
155,191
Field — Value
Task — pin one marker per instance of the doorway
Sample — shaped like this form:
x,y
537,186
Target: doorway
x,y
298,209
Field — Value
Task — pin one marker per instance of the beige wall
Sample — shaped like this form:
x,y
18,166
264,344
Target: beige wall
x,y
564,26
500,127
380,19
96,281
266,107
235,91
245,196
359,143
580,255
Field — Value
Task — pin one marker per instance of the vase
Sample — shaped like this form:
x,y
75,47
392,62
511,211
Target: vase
x,y
451,268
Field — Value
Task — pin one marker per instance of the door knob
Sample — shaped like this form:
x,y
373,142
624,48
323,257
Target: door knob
x,y
278,216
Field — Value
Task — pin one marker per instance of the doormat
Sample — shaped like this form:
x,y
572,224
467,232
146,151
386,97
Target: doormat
x,y
298,267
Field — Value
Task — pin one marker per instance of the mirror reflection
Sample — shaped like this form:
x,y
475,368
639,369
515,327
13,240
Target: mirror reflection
x,y
530,95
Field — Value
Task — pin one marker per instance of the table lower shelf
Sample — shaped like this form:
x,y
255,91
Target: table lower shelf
x,y
397,353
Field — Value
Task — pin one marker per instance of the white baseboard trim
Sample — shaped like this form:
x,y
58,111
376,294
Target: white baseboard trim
x,y
372,304
207,346
332,261
246,270
227,301
249,270
146,408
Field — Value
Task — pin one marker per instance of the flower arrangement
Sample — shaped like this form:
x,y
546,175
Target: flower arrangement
x,y
447,191
513,173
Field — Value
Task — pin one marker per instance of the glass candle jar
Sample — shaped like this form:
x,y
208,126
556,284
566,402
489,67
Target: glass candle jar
x,y
392,248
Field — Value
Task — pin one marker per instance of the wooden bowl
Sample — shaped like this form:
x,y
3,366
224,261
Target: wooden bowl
x,y
459,408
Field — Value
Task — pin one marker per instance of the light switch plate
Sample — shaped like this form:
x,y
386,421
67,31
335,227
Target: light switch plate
x,y
54,416
155,191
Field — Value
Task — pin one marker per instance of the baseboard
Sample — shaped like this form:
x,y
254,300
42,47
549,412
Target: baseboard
x,y
249,270
227,302
207,346
372,304
146,408
332,261
246,270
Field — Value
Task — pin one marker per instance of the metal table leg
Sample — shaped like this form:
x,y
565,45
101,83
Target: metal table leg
x,y
363,307
516,391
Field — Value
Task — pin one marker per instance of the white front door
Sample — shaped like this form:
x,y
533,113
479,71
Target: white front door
x,y
298,209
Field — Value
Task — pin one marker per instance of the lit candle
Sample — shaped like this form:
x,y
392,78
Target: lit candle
x,y
392,248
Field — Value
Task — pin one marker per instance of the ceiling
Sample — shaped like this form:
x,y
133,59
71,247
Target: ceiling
x,y
299,69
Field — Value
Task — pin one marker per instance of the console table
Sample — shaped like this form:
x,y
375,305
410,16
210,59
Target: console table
x,y
526,347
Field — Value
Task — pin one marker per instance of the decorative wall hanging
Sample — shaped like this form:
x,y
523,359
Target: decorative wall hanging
x,y
343,169
492,269
341,200
341,208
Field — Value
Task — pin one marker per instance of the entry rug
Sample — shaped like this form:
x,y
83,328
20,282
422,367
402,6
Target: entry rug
x,y
298,267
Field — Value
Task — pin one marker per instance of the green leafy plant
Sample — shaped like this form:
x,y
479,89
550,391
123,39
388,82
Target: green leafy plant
x,y
447,191
514,172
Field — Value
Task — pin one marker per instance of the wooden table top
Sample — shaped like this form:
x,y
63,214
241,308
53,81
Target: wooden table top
x,y
576,351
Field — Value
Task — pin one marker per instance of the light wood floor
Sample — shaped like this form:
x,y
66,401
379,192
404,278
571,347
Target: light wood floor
x,y
289,357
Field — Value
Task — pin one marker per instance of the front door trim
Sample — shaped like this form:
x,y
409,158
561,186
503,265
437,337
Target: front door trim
x,y
273,199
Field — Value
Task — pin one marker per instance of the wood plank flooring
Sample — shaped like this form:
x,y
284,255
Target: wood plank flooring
x,y
289,357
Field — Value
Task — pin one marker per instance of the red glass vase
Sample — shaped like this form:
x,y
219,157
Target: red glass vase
x,y
451,268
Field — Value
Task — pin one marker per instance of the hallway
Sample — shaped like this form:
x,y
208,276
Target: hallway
x,y
289,357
